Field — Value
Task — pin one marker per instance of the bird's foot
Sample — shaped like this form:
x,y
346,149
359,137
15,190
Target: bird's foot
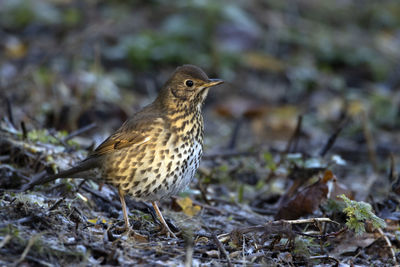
x,y
165,230
136,236
129,232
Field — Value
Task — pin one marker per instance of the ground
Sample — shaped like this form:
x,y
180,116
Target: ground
x,y
302,141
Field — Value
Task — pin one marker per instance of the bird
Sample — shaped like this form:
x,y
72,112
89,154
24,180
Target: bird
x,y
154,154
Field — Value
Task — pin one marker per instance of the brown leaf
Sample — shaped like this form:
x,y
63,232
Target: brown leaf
x,y
188,207
306,201
339,189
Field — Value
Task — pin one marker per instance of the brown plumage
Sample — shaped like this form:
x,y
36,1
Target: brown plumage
x,y
156,153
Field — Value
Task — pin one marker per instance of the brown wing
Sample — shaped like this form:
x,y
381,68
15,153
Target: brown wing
x,y
120,140
135,131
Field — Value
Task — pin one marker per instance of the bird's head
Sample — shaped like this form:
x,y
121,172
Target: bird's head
x,y
187,88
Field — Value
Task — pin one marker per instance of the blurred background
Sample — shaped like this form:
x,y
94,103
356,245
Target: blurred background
x,y
66,64
310,110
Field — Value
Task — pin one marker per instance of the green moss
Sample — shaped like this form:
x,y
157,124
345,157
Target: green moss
x,y
358,212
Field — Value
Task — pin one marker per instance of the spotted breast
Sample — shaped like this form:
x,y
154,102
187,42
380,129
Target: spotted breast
x,y
164,162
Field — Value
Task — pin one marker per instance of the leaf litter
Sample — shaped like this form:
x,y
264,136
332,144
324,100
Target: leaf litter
x,y
313,87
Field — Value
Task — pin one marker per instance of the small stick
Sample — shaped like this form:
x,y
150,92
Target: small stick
x,y
203,193
333,137
24,131
65,195
320,237
4,158
79,131
370,141
5,240
61,141
115,204
218,243
337,262
235,133
311,220
272,223
10,111
221,248
294,139
392,172
387,240
27,249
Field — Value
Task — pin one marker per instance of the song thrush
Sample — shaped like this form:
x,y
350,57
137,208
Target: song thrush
x,y
156,153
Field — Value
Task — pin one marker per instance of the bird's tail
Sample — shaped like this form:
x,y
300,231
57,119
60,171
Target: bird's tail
x,y
75,172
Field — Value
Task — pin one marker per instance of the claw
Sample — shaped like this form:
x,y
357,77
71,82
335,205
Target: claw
x,y
165,228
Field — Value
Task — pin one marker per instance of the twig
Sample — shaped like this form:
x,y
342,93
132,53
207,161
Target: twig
x,y
370,142
5,240
320,237
137,205
268,225
311,220
15,171
235,133
79,131
19,221
10,114
39,261
221,248
115,204
261,211
392,171
288,149
24,131
294,139
203,192
27,249
393,176
333,137
218,244
387,240
65,195
326,257
52,132
243,252
4,158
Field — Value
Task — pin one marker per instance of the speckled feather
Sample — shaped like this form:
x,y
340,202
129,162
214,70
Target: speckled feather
x,y
156,153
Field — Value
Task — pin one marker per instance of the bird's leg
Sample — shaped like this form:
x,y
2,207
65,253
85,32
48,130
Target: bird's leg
x,y
124,210
127,227
161,218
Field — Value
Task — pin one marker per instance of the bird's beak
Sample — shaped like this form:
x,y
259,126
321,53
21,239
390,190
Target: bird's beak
x,y
212,82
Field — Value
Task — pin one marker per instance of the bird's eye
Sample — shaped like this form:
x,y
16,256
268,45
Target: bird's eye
x,y
189,83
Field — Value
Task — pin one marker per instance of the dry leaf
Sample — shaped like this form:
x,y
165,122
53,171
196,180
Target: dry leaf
x,y
187,206
353,243
356,107
15,49
306,201
94,221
